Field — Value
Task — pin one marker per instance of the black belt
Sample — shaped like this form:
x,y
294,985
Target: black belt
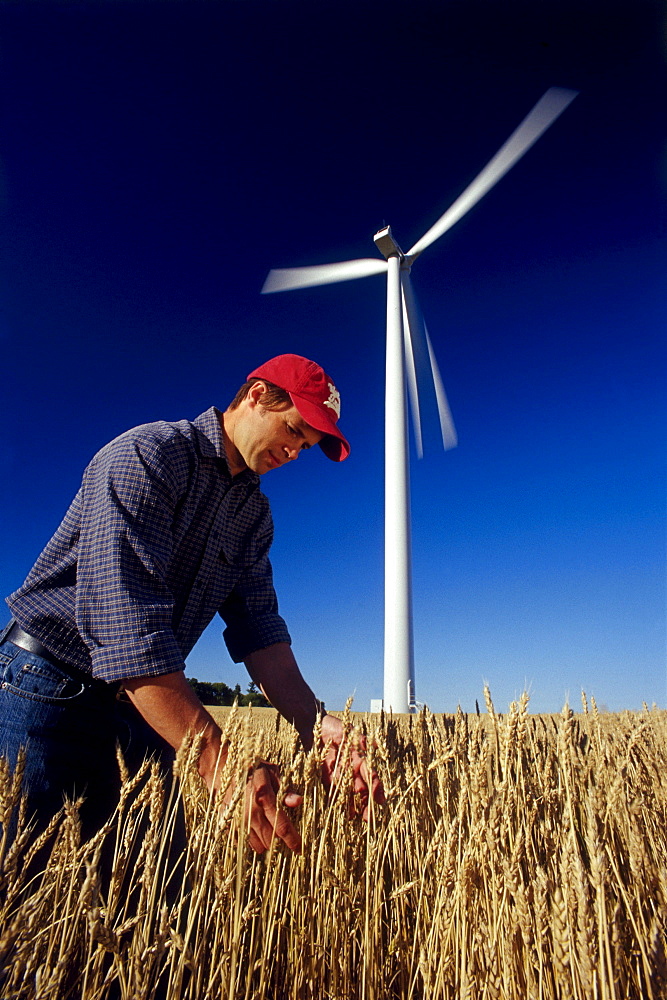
x,y
24,640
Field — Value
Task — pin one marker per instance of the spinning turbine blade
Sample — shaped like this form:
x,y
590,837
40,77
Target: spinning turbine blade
x,y
281,279
421,357
447,429
545,112
411,371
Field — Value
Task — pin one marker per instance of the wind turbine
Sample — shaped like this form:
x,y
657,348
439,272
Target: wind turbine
x,y
409,351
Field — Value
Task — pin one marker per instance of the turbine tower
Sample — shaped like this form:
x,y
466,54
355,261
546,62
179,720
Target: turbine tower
x,y
410,357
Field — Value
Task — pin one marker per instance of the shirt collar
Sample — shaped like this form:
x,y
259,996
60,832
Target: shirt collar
x,y
213,445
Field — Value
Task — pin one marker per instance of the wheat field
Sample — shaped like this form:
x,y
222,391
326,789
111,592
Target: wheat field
x,y
518,856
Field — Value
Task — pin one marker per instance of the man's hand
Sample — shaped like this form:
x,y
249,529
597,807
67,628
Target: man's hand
x,y
170,706
364,785
264,820
275,670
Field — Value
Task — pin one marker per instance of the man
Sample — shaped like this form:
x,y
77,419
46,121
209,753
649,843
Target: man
x,y
168,528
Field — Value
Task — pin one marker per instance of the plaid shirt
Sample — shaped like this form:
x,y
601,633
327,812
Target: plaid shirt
x,y
158,539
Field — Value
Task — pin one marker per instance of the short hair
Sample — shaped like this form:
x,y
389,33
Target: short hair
x,y
274,398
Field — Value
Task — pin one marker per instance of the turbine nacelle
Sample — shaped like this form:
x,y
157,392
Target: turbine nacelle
x,y
387,245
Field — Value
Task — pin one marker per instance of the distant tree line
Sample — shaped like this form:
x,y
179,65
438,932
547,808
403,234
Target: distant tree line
x,y
219,693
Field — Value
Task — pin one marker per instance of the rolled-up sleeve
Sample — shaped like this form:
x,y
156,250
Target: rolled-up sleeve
x,y
251,613
124,607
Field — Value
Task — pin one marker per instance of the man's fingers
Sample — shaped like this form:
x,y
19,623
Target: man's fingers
x,y
286,831
265,819
378,791
268,823
362,784
255,843
365,784
329,770
376,795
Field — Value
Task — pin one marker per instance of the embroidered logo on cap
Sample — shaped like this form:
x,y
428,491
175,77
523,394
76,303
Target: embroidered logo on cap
x,y
334,399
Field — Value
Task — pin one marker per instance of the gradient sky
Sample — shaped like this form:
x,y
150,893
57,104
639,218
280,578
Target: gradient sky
x,y
159,158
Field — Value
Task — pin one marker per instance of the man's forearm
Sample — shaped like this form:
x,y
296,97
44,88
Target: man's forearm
x,y
277,673
172,709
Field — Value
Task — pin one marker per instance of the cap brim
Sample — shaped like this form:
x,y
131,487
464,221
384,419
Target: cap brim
x,y
334,445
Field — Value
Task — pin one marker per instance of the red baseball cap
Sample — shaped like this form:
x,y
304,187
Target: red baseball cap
x,y
313,393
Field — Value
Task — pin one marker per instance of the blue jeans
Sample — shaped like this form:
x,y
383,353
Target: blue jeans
x,y
69,725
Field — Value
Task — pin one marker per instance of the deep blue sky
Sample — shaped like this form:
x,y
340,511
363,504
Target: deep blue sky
x,y
159,158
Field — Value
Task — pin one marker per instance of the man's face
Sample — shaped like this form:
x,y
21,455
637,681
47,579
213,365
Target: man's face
x,y
266,439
